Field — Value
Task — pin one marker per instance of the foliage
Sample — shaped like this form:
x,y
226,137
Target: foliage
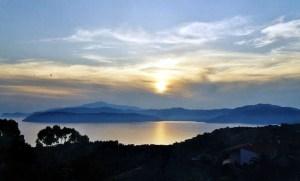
x,y
9,128
56,135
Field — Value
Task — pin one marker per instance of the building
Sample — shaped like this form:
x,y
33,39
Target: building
x,y
240,154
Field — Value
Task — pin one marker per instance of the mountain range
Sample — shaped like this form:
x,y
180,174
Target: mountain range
x,y
105,112
15,115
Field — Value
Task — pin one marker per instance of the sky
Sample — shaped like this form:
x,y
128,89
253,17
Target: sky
x,y
153,54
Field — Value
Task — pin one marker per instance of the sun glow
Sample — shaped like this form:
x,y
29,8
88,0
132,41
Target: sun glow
x,y
162,81
161,86
162,77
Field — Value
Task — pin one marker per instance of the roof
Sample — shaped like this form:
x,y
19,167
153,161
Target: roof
x,y
257,148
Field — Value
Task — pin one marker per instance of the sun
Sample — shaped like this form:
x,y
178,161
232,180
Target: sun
x,y
161,86
163,75
161,82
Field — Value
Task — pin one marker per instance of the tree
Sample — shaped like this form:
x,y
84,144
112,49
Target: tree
x,y
47,136
10,133
9,128
56,135
14,152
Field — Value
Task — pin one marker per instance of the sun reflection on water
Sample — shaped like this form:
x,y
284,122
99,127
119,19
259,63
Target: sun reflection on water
x,y
160,134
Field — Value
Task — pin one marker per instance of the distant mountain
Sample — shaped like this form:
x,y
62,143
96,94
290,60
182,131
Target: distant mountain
x,y
93,112
108,105
105,112
59,117
180,114
260,113
252,114
14,115
88,110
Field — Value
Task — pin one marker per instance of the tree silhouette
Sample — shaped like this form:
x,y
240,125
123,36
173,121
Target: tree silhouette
x,y
57,135
9,128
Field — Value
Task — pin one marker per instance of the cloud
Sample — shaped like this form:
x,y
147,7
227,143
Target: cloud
x,y
96,58
278,31
183,59
176,70
186,75
41,91
97,46
187,33
241,42
236,26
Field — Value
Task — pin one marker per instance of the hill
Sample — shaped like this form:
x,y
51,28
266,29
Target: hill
x,y
14,115
105,112
260,113
73,117
101,104
274,152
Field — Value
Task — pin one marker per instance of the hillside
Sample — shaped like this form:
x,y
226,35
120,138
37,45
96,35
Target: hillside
x,y
276,157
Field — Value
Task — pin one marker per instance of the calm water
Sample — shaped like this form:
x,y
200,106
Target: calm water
x,y
163,132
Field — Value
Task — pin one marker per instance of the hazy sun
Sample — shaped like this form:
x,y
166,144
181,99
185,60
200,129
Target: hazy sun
x,y
161,86
163,75
162,82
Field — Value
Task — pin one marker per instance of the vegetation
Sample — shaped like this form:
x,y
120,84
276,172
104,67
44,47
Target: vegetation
x,y
56,135
64,154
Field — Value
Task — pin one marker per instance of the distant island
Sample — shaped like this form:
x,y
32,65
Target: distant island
x,y
105,112
15,115
74,117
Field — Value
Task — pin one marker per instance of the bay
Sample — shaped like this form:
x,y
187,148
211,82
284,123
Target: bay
x,y
161,132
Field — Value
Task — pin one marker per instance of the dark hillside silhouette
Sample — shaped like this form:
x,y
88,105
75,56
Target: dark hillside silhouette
x,y
64,154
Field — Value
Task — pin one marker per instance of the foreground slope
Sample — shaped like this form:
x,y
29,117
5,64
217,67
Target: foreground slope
x,y
200,158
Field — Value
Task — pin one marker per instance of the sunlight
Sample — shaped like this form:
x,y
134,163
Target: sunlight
x,y
162,81
160,133
161,86
163,76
